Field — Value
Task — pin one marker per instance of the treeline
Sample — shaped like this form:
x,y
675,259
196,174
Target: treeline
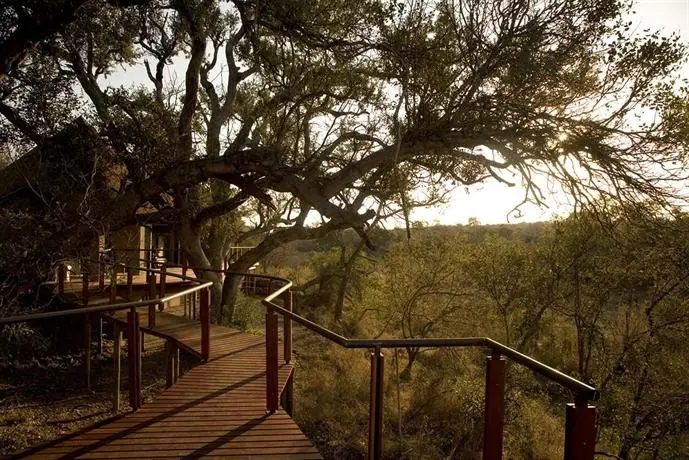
x,y
600,296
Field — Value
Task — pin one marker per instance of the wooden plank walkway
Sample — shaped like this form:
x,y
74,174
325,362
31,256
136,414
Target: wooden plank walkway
x,y
217,409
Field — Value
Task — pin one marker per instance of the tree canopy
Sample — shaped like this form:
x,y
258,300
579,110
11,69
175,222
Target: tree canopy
x,y
342,109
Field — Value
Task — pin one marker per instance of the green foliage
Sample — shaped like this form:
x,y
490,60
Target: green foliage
x,y
248,314
601,296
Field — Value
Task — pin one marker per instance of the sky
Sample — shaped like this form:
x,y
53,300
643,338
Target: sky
x,y
493,202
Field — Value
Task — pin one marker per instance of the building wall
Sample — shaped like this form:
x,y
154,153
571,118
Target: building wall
x,y
127,244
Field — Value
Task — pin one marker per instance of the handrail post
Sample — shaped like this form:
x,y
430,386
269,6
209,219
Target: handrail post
x,y
87,349
494,420
161,286
580,430
287,327
375,419
287,396
130,283
134,358
101,275
272,392
151,295
172,362
116,365
113,285
152,286
205,314
152,315
61,278
85,288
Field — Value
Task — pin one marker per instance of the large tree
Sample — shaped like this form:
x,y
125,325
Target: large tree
x,y
343,109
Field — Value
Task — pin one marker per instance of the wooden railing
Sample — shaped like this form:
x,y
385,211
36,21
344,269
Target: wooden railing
x,y
580,416
133,328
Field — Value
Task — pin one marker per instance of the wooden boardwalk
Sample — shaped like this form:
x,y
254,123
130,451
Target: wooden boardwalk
x,y
217,409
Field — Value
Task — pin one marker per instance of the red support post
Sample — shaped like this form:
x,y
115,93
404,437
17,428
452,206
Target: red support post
x,y
150,285
580,430
161,287
152,315
287,328
87,348
375,418
205,314
272,393
494,422
287,396
134,359
151,294
171,349
101,276
130,283
151,279
61,272
113,286
85,288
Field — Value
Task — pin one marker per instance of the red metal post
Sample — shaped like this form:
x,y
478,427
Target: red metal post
x,y
101,275
205,324
287,396
61,272
494,422
375,418
139,350
272,398
134,357
161,287
287,328
152,315
151,294
170,347
151,285
113,286
130,283
116,365
87,348
580,430
85,288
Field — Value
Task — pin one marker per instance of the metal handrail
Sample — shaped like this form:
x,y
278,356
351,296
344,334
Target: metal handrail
x,y
109,307
580,418
582,389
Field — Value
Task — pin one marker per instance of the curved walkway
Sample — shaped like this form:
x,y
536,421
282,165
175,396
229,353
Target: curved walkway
x,y
217,409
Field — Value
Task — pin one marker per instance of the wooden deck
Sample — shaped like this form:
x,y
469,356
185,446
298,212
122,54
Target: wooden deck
x,y
217,409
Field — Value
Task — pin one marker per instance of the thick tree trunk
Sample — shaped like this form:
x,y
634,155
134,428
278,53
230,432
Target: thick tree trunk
x,y
191,244
230,291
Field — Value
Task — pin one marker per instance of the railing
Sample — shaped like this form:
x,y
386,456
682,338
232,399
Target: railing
x,y
580,417
133,331
154,255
